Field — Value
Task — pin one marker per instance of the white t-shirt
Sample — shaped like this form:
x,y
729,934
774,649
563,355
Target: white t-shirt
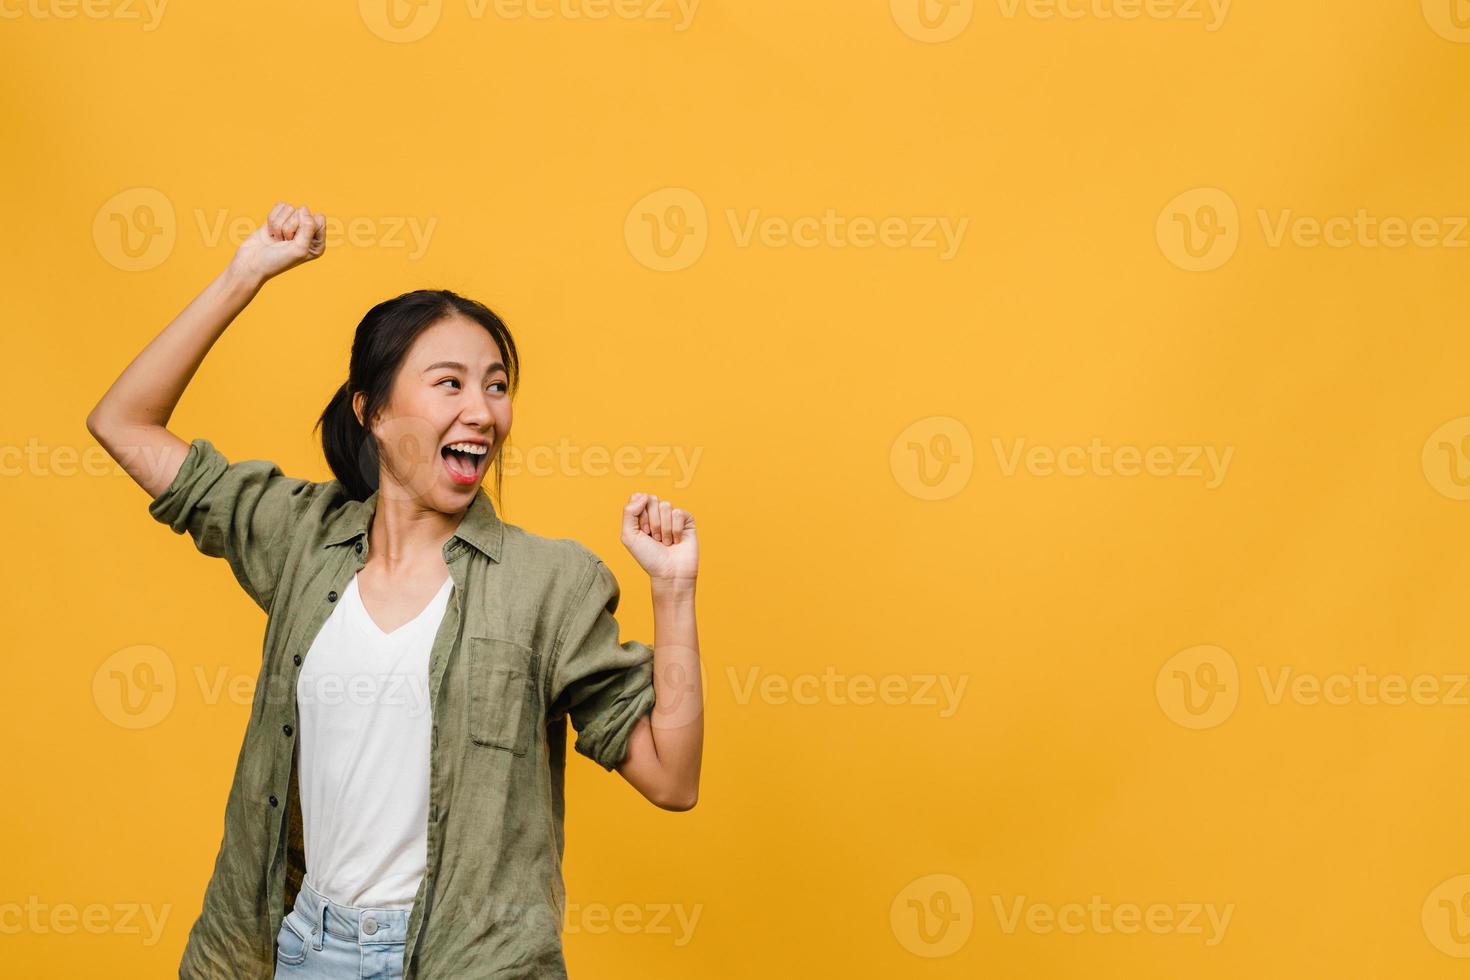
x,y
365,723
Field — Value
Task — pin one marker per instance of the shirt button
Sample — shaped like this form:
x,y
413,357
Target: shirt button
x,y
369,925
296,659
274,801
332,596
286,729
357,547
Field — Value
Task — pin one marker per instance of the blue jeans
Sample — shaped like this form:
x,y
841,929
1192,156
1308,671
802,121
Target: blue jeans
x,y
321,940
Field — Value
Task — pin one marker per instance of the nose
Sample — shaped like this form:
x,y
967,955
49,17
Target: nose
x,y
476,412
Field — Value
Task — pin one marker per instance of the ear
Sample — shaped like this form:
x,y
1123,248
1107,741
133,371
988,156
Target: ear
x,y
358,398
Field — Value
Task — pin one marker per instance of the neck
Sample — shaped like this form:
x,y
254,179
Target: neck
x,y
405,532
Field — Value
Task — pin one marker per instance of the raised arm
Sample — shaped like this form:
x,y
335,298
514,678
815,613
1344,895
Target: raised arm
x,y
666,746
637,710
131,419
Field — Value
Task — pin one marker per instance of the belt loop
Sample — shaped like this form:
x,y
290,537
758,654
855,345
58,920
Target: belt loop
x,y
319,927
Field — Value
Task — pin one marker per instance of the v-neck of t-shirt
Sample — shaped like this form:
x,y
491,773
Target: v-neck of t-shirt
x,y
373,630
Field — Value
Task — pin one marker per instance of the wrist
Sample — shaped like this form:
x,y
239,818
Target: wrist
x,y
238,277
672,588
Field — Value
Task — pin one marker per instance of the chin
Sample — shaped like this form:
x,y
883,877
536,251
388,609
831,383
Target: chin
x,y
456,496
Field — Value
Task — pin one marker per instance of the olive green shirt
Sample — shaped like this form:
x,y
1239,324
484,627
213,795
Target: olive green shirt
x,y
528,640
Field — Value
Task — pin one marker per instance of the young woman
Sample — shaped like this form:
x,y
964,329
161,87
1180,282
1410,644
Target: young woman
x,y
397,805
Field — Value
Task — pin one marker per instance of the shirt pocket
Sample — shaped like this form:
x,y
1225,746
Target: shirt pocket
x,y
502,690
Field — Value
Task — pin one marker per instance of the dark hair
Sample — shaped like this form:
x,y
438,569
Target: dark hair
x,y
378,348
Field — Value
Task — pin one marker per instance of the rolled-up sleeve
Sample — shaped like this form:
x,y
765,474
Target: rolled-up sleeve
x,y
603,685
242,512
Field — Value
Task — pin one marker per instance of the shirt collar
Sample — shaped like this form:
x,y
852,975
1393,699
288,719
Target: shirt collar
x,y
481,526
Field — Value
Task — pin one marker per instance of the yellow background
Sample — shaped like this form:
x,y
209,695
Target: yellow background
x,y
824,387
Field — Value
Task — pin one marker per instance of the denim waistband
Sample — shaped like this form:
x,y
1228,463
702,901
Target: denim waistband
x,y
366,926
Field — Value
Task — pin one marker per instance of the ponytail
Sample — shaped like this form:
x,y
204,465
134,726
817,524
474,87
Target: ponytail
x,y
351,451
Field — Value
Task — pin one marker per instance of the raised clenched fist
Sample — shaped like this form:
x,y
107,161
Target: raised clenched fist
x,y
289,237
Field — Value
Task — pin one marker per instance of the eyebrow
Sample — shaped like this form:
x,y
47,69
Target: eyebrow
x,y
497,366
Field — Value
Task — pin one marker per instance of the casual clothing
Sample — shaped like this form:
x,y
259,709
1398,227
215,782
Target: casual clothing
x,y
321,940
362,699
528,641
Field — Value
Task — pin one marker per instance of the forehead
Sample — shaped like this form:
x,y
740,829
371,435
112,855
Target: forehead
x,y
454,338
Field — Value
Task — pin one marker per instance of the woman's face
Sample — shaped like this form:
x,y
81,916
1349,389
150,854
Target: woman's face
x,y
452,389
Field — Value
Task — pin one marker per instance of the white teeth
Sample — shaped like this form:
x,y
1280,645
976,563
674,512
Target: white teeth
x,y
469,447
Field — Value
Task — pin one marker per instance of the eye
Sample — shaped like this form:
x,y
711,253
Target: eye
x,y
500,383
455,380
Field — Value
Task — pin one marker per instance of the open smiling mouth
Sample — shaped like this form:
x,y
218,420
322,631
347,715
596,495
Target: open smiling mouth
x,y
465,462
